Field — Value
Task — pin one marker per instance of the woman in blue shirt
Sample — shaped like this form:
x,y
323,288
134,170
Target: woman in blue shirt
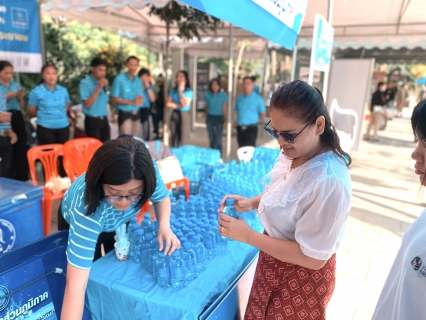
x,y
14,94
50,102
179,100
120,179
148,98
216,108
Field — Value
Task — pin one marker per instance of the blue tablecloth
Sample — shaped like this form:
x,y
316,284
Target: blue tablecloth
x,y
125,290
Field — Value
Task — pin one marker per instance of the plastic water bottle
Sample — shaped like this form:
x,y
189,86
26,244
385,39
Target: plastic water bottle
x,y
230,209
130,226
200,254
188,256
152,251
132,236
155,228
145,249
163,270
138,245
221,243
177,270
209,241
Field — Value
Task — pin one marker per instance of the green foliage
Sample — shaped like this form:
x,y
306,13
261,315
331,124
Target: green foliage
x,y
71,46
190,21
418,70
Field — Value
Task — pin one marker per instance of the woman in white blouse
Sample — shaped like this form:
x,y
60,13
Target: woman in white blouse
x,y
303,210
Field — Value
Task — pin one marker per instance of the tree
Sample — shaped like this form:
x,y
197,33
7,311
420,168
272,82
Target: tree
x,y
190,23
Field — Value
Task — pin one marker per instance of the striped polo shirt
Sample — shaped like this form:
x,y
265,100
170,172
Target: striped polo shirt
x,y
51,106
85,230
99,108
215,103
127,89
11,104
249,109
188,93
146,103
4,126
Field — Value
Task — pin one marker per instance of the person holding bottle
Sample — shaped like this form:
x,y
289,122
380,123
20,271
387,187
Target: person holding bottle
x,y
148,98
120,179
179,101
49,102
127,94
14,104
303,210
216,109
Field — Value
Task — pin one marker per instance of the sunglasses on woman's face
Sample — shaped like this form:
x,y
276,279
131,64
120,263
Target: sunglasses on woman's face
x,y
291,138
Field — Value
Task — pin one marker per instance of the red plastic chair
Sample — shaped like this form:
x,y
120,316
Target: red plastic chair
x,y
144,210
77,155
175,184
48,156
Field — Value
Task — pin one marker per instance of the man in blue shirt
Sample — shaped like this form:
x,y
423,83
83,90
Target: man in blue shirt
x,y
94,93
127,94
250,110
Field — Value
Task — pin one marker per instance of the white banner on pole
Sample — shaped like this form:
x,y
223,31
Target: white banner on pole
x,y
322,46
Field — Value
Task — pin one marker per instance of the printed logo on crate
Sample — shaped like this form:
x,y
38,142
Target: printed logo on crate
x,y
24,296
7,236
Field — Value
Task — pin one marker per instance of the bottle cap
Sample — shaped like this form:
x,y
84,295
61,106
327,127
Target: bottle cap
x,y
140,232
135,226
229,202
147,216
134,220
149,236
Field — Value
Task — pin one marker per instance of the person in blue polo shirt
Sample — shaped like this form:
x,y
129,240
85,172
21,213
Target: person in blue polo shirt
x,y
50,102
179,100
250,110
216,108
14,103
94,95
127,94
7,137
120,179
148,98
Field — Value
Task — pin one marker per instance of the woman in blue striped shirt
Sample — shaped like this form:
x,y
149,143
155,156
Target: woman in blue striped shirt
x,y
216,106
120,179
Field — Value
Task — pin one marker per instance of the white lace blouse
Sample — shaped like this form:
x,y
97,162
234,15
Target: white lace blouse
x,y
308,204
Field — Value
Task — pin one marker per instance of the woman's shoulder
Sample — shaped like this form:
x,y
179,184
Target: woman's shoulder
x,y
61,88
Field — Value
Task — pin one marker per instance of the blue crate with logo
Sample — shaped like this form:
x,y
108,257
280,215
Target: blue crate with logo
x,y
20,214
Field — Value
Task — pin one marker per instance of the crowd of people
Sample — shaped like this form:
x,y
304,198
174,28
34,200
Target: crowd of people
x,y
133,95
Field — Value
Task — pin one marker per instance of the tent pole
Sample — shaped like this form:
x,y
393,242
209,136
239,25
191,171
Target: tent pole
x,y
43,51
194,100
327,73
293,62
230,85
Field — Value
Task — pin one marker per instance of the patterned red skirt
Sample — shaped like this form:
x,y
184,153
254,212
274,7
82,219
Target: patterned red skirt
x,y
285,291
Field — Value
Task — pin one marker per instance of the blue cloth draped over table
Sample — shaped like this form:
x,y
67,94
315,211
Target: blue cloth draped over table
x,y
125,290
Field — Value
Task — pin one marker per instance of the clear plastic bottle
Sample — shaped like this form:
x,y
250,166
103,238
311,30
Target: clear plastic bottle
x,y
152,251
145,249
209,241
200,254
177,270
137,248
230,209
188,256
132,236
221,243
163,270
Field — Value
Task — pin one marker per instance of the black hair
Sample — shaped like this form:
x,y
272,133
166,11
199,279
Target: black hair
x,y
4,64
132,57
98,62
306,103
250,78
211,83
418,121
143,71
379,85
187,84
47,65
253,78
117,162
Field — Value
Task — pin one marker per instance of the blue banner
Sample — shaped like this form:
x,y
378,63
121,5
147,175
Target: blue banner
x,y
279,20
21,298
20,34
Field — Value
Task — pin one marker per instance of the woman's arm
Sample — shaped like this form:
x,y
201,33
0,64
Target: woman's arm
x,y
32,111
151,94
225,111
75,290
170,104
183,100
165,234
283,250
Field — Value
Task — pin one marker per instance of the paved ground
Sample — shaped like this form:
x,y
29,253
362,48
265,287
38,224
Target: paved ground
x,y
385,203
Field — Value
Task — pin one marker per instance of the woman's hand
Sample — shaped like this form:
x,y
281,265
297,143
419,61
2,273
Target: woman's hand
x,y
241,204
236,229
165,234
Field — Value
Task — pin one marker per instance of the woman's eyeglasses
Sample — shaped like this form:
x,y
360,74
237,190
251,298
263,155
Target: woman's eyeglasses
x,y
128,198
291,138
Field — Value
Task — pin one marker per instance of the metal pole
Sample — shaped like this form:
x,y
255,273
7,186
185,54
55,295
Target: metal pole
x,y
327,73
230,86
43,52
194,89
293,62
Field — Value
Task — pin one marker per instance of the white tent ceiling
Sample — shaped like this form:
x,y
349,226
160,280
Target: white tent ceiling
x,y
358,24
